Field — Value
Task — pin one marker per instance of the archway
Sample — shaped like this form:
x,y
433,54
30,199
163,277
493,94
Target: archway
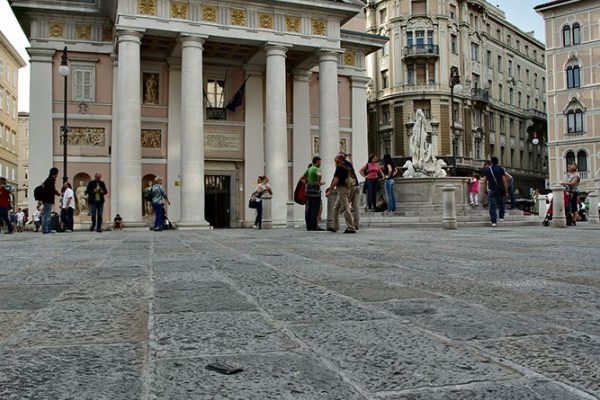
x,y
147,182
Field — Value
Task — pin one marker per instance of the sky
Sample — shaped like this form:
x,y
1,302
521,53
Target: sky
x,y
518,12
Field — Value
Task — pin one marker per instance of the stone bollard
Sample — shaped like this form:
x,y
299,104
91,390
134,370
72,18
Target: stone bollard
x,y
330,203
593,211
290,214
267,217
542,207
558,207
449,219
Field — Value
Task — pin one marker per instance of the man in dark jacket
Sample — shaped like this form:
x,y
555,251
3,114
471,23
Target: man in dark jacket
x,y
494,178
48,199
95,191
5,204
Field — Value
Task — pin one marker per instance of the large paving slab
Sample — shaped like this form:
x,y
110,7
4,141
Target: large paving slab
x,y
389,314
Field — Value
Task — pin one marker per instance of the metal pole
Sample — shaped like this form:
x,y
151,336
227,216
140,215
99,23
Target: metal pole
x,y
453,137
64,127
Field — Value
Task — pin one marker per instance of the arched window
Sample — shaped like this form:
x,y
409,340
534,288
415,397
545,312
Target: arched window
x,y
566,33
574,121
582,160
570,158
576,33
573,77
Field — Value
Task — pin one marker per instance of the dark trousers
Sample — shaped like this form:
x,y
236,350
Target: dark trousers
x,y
158,219
372,193
312,211
96,208
66,215
258,221
5,218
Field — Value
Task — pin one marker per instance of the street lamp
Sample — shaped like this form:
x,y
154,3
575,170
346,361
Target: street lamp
x,y
455,86
63,69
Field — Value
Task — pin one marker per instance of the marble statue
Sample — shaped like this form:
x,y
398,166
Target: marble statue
x,y
151,90
148,208
424,163
82,203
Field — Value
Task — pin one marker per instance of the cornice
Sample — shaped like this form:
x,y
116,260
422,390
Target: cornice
x,y
12,51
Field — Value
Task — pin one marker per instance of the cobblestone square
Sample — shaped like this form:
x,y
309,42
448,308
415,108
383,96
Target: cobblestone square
x,y
395,314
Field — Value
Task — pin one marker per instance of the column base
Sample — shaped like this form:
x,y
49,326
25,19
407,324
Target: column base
x,y
193,225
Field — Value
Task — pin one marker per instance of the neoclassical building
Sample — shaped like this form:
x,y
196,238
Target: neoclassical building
x,y
572,43
502,106
208,94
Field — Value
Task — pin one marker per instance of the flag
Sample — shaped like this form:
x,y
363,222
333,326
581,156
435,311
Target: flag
x,y
237,99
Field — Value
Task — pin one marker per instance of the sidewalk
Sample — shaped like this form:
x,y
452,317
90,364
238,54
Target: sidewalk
x,y
397,314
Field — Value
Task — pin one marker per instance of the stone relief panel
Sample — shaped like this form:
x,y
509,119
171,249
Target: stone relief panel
x,y
179,10
222,142
265,21
319,27
150,88
84,136
316,148
151,139
83,32
147,7
107,33
292,24
209,14
350,58
56,30
238,17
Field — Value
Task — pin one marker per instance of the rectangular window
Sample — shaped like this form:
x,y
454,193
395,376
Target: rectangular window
x,y
535,80
510,68
519,99
511,125
512,157
424,105
1,98
409,39
215,97
452,12
500,92
419,6
489,59
420,38
382,15
475,52
1,67
492,122
84,83
518,72
385,79
527,77
511,98
385,115
500,64
502,125
7,104
454,44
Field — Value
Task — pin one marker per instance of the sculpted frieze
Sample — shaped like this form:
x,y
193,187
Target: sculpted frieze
x,y
56,30
83,32
151,139
319,27
265,21
292,24
209,14
179,10
147,7
238,17
85,136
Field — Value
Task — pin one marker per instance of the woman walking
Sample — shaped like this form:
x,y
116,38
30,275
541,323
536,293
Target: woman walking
x,y
571,184
262,187
390,171
159,197
372,173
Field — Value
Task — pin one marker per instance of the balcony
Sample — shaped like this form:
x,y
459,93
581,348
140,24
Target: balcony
x,y
481,95
421,51
532,113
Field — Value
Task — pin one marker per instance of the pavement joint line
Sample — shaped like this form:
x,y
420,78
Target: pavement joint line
x,y
149,361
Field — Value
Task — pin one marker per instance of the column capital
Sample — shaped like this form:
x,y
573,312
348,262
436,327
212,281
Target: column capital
x,y
359,81
301,75
275,49
325,54
41,55
129,36
187,40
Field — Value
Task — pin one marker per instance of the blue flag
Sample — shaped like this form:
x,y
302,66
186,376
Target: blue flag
x,y
237,100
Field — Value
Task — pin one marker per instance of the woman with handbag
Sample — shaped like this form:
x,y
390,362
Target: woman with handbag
x,y
372,173
571,184
262,187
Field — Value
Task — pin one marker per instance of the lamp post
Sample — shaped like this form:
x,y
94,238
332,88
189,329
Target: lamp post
x,y
63,69
455,86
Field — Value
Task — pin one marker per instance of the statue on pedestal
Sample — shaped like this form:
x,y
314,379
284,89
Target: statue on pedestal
x,y
424,163
82,202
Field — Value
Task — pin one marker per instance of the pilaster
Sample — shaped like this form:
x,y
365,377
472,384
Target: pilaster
x,y
301,131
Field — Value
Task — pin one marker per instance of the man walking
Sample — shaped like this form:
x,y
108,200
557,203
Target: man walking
x,y
495,178
5,204
96,190
354,191
340,178
68,207
49,192
313,194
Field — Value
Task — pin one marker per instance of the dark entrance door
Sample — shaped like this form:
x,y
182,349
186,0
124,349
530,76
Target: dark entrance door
x,y
216,200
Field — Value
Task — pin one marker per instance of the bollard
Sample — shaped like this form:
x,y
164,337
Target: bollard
x,y
558,207
593,210
330,203
542,207
449,219
290,214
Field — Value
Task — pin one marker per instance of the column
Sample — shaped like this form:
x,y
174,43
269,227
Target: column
x,y
301,132
174,140
276,149
254,136
129,148
329,121
360,142
114,172
41,132
192,134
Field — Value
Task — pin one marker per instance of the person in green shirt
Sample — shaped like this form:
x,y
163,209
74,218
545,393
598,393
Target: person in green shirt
x,y
313,194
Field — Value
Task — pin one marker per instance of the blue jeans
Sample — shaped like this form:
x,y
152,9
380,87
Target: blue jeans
x,y
46,217
389,192
158,212
96,209
511,192
258,220
66,215
496,203
371,193
312,211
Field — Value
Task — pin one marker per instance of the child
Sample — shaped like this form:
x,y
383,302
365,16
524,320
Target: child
x,y
474,190
118,223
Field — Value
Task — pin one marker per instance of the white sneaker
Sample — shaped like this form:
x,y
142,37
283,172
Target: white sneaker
x,y
501,220
493,225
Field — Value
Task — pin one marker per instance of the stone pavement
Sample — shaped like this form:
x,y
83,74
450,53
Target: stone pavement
x,y
396,314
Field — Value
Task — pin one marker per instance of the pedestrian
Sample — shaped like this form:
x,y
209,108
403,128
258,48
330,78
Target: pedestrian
x,y
159,197
68,206
495,177
313,194
389,171
20,217
49,191
344,184
372,173
118,223
536,201
511,190
37,218
96,190
5,204
571,184
355,192
474,190
262,187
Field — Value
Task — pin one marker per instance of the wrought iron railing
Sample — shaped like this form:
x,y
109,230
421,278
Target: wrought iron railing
x,y
421,50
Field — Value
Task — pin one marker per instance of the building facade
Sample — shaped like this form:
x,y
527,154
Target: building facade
x,y
208,94
23,161
10,62
573,56
501,108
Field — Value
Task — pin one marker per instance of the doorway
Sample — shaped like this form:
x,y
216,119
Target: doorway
x,y
217,204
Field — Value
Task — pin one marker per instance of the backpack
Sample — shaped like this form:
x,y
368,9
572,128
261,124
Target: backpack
x,y
38,193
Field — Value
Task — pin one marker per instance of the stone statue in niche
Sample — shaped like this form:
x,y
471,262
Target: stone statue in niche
x,y
150,89
148,208
424,163
82,203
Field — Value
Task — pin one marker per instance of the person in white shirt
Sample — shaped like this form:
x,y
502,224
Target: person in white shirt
x,y
68,206
37,218
20,216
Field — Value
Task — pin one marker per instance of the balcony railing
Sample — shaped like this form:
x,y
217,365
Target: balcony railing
x,y
421,50
479,94
533,113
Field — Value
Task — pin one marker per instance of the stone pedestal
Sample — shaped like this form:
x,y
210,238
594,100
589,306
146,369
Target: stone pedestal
x,y
267,216
449,217
558,207
418,196
290,214
542,207
593,211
